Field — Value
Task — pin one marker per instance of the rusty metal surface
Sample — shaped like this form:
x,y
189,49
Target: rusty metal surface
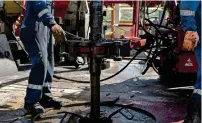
x,y
145,92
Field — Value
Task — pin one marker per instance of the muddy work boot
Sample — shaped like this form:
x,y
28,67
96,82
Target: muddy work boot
x,y
34,109
193,112
49,102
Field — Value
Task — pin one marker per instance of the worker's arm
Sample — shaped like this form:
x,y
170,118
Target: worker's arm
x,y
41,10
188,23
187,14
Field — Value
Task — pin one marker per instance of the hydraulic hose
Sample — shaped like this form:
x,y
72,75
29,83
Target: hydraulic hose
x,y
19,5
147,10
137,53
78,81
156,27
152,11
164,12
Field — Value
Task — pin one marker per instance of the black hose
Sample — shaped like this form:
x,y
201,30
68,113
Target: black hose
x,y
64,78
68,33
156,37
79,81
152,11
36,117
115,112
164,12
147,10
19,4
154,26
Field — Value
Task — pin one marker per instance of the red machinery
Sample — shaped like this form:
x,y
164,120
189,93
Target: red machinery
x,y
60,8
187,62
179,65
182,64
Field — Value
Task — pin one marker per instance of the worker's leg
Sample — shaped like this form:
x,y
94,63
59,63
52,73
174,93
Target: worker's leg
x,y
194,104
36,46
50,71
47,99
36,79
50,66
37,49
197,89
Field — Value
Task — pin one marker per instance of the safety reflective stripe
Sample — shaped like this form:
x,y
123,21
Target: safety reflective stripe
x,y
44,11
187,13
39,87
197,91
36,87
46,84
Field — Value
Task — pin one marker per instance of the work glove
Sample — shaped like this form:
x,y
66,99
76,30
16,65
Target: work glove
x,y
191,40
58,33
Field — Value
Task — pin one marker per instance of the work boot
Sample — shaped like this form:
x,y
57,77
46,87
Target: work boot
x,y
49,102
193,112
34,108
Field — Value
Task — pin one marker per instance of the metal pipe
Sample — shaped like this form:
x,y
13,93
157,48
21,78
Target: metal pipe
x,y
144,14
137,17
96,22
113,20
136,10
95,70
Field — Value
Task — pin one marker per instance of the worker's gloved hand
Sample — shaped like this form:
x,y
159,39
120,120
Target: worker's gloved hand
x,y
58,33
191,40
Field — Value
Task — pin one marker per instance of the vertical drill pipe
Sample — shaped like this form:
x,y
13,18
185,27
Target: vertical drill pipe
x,y
136,11
144,14
95,68
96,22
113,20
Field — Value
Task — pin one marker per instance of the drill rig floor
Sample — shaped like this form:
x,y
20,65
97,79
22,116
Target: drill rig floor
x,y
145,92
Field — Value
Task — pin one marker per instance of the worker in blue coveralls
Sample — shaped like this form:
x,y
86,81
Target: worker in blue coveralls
x,y
190,12
36,34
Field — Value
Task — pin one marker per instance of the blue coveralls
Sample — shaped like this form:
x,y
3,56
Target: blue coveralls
x,y
190,12
37,39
